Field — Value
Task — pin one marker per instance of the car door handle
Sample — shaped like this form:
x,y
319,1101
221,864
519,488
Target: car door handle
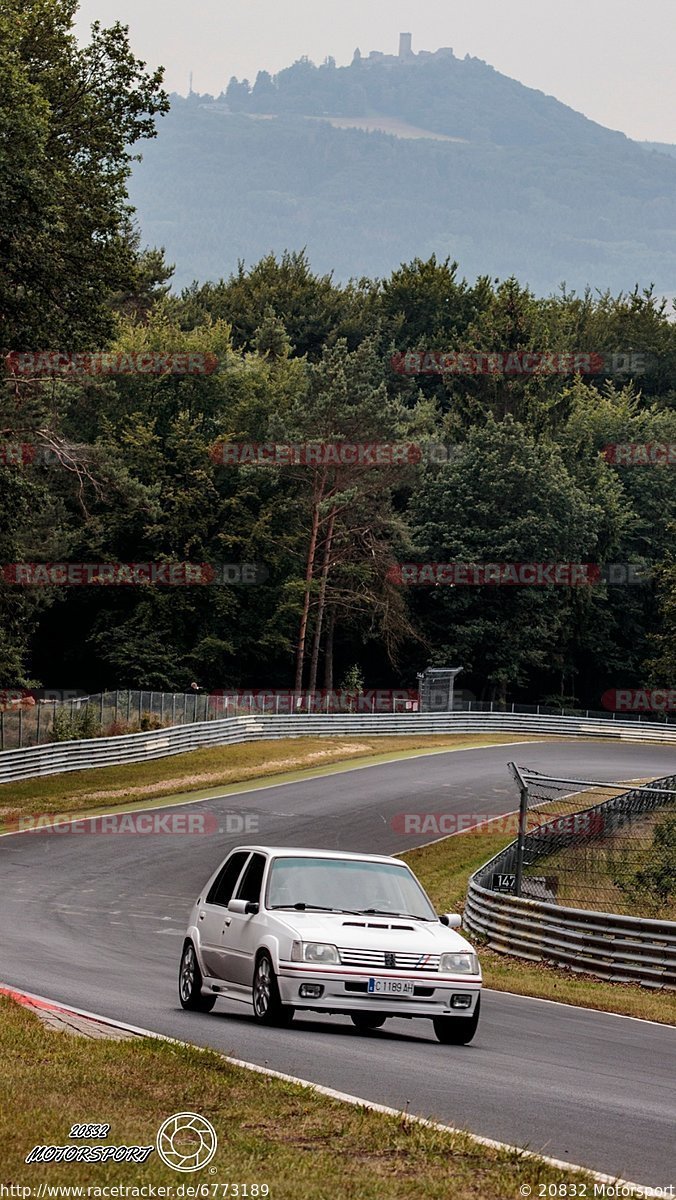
x,y
227,922
202,915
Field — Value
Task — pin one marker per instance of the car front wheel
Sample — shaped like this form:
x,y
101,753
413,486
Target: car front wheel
x,y
457,1031
190,983
267,1005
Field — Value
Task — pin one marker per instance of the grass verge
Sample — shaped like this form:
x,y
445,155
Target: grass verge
x,y
204,772
303,1145
444,869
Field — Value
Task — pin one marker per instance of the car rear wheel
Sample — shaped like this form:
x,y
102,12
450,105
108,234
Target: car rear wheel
x,y
457,1031
190,983
267,1004
366,1021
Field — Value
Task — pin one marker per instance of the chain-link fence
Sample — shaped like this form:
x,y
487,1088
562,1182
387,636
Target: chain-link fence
x,y
616,854
27,719
34,721
30,720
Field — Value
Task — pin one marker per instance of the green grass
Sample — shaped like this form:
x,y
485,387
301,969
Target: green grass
x,y
303,1145
202,773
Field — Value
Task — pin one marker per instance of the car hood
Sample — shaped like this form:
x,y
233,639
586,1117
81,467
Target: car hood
x,y
374,933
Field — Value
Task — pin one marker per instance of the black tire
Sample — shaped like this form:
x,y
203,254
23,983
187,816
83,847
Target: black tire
x,y
190,983
457,1031
267,1005
366,1021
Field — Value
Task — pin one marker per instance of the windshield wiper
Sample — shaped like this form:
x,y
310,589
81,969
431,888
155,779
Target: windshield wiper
x,y
301,906
387,912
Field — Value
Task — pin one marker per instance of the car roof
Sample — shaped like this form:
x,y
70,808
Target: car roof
x,y
305,852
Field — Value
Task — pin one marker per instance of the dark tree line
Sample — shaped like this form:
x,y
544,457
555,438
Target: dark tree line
x,y
132,476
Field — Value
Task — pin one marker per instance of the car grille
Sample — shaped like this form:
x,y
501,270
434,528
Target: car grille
x,y
384,960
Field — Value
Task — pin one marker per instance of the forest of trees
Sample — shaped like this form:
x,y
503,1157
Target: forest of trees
x,y
132,474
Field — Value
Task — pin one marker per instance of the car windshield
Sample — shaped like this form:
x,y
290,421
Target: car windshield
x,y
346,885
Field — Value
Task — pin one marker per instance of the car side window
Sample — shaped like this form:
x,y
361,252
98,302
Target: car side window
x,y
223,886
252,880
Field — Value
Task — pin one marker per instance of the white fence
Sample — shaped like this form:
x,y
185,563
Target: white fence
x,y
57,757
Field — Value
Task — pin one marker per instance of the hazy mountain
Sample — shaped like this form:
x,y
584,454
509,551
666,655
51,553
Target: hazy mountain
x,y
503,178
662,147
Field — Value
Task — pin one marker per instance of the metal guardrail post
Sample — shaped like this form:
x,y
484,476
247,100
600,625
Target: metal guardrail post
x,y
523,825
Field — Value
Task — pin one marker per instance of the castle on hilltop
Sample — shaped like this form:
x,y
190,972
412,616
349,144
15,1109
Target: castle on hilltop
x,y
405,55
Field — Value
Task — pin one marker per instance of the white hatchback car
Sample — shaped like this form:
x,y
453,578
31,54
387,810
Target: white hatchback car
x,y
286,929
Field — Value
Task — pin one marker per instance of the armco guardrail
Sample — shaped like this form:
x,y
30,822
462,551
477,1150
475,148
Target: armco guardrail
x,y
35,720
605,944
58,757
610,945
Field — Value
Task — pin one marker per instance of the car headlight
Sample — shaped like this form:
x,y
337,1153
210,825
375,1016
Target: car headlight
x,y
315,952
459,964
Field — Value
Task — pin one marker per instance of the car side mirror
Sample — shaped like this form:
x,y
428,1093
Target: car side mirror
x,y
246,908
452,920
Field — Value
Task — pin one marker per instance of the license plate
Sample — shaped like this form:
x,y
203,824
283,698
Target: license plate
x,y
390,987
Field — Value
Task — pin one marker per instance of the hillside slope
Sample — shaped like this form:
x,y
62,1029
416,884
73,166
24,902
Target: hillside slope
x,y
530,187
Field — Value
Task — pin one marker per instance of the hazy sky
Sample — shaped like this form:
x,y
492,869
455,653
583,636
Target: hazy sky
x,y
613,60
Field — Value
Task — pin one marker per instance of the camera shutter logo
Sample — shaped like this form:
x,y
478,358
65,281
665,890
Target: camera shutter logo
x,y
186,1142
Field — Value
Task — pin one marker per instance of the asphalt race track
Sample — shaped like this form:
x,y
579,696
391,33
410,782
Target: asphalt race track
x,y
97,922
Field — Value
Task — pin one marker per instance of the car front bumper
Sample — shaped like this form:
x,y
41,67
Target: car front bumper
x,y
346,990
